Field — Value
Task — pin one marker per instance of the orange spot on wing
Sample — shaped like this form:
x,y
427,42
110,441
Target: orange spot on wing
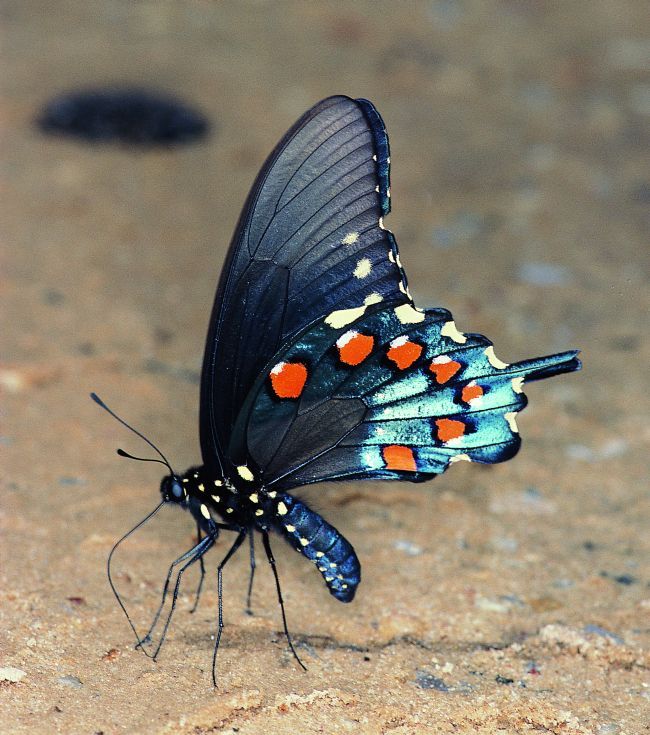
x,y
398,457
449,429
404,353
354,349
470,392
288,379
444,371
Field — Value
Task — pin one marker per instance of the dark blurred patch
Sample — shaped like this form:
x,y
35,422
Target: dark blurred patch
x,y
131,116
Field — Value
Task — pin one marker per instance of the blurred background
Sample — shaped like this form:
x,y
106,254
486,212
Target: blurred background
x,y
496,597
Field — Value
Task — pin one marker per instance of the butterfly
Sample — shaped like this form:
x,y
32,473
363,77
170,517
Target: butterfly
x,y
318,365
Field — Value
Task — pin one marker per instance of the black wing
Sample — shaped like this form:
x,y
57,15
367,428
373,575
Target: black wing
x,y
310,240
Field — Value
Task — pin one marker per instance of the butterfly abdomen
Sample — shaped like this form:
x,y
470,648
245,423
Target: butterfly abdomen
x,y
320,542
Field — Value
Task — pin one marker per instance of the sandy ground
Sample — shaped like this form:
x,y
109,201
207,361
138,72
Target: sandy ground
x,y
511,599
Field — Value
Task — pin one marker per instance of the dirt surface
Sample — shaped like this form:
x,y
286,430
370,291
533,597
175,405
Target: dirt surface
x,y
507,599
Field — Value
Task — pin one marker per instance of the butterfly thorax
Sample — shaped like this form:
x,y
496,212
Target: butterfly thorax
x,y
207,495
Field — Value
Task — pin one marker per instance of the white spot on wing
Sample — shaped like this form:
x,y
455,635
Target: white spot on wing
x,y
277,369
350,238
282,509
391,256
408,314
399,341
494,360
364,266
460,458
346,337
254,498
450,330
518,385
511,418
343,317
205,512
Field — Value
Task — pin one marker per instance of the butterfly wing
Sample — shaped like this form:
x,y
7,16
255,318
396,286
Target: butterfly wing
x,y
393,393
310,239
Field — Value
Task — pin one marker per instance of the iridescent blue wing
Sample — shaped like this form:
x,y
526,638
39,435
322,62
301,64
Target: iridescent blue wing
x,y
384,392
310,240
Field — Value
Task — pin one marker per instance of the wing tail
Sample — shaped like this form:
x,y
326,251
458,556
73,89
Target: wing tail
x,y
545,367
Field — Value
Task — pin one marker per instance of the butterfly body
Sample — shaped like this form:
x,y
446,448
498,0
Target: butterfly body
x,y
319,366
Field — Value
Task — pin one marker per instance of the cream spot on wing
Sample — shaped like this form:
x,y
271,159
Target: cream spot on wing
x,y
381,223
322,569
408,314
254,498
364,266
344,586
460,458
272,493
342,317
290,528
245,473
450,330
402,287
377,189
391,256
329,579
229,510
196,475
282,509
398,261
346,337
185,479
259,512
374,157
218,483
518,385
216,498
201,487
319,554
304,541
350,238
205,512
511,418
494,360
333,565
388,192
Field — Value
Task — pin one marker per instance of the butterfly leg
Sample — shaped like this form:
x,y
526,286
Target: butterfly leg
x,y
190,558
237,543
202,566
269,555
251,538
200,548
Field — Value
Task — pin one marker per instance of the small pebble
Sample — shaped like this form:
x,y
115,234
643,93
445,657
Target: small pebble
x,y
544,274
11,673
407,547
429,681
70,681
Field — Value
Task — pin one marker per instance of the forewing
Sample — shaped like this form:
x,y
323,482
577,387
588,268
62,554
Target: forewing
x,y
394,393
310,240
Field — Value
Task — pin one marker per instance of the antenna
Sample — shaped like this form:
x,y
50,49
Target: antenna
x,y
121,452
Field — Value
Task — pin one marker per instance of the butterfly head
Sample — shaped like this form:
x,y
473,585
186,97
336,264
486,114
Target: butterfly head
x,y
173,490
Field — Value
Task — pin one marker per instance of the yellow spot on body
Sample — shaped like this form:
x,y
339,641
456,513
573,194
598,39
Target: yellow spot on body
x,y
216,498
460,458
185,479
229,510
450,330
304,541
218,483
319,554
340,576
494,360
245,473
408,314
329,579
282,509
333,565
205,512
254,498
290,528
364,266
273,493
201,487
350,238
344,586
511,418
196,474
342,317
259,512
518,385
